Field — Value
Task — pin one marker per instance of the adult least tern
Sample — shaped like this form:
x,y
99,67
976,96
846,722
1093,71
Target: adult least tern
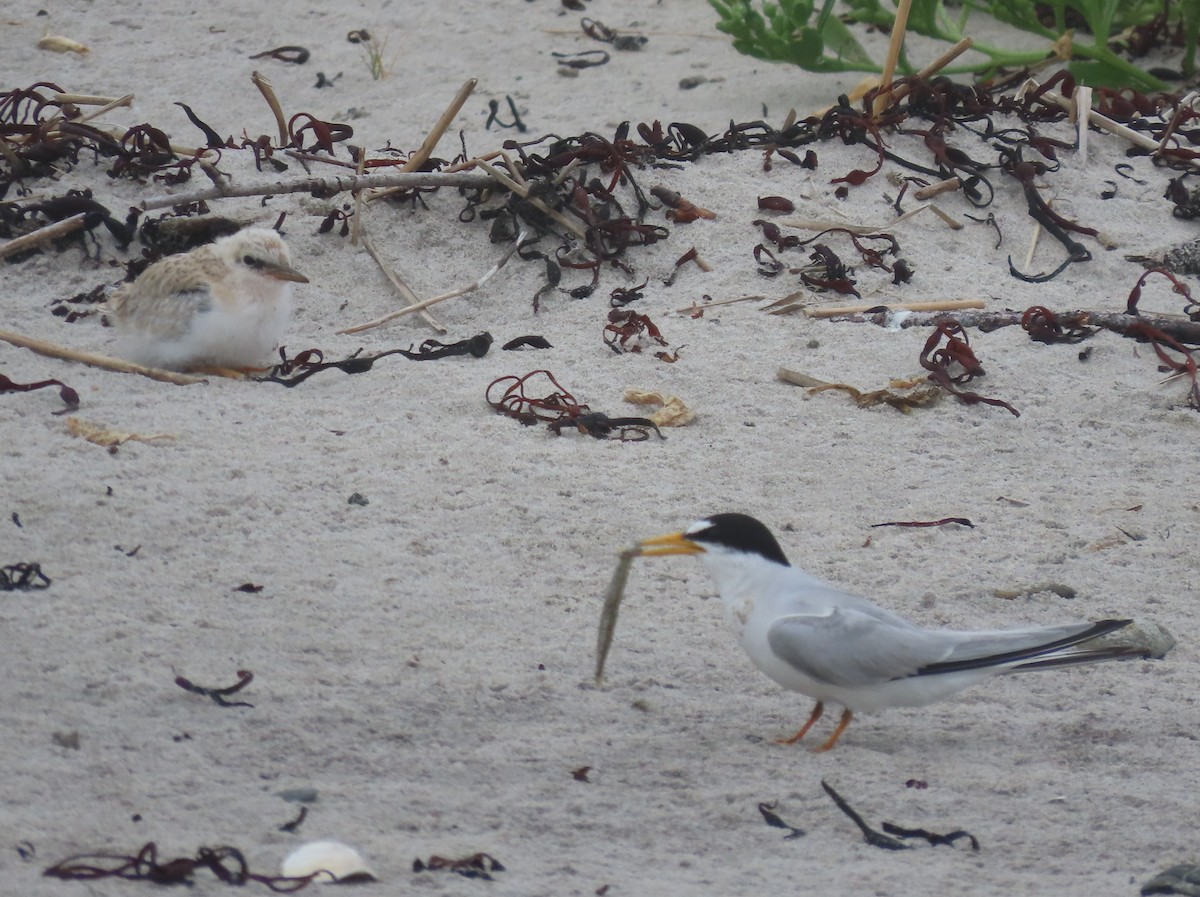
x,y
223,306
812,637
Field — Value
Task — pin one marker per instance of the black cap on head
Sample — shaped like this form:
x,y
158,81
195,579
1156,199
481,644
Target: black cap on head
x,y
741,532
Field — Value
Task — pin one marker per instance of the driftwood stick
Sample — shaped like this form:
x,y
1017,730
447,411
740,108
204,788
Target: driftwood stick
x,y
1180,328
942,305
52,350
80,99
431,140
42,234
324,186
401,287
899,26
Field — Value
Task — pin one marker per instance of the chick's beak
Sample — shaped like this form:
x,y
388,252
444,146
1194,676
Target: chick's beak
x,y
672,543
283,272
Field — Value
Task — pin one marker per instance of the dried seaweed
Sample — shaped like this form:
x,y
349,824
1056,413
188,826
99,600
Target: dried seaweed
x,y
226,863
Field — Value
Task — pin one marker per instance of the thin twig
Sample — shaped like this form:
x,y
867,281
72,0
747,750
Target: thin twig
x,y
356,225
80,99
417,159
42,234
99,361
860,229
696,306
401,287
1177,327
418,306
899,26
931,305
934,67
323,186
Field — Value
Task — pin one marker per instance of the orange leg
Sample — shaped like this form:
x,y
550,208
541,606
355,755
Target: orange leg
x,y
816,715
214,371
847,716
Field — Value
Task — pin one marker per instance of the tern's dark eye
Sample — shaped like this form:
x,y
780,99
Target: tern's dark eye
x,y
251,262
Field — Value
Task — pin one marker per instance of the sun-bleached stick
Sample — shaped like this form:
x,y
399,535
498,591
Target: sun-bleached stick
x,y
401,287
326,185
696,306
1033,241
937,189
931,305
899,26
83,99
821,224
1081,100
462,291
53,350
431,139
933,68
42,234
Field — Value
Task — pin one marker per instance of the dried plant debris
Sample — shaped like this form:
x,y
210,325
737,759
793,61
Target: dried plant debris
x,y
477,347
954,364
889,838
295,370
99,435
772,819
226,863
672,412
538,397
477,865
903,395
219,695
69,396
23,577
945,521
532,341
628,331
579,195
293,826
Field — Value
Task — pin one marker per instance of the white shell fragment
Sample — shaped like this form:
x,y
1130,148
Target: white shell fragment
x,y
334,861
59,44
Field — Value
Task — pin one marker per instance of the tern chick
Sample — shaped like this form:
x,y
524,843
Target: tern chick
x,y
221,307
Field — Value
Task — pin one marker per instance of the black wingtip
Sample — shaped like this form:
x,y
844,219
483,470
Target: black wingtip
x,y
1096,630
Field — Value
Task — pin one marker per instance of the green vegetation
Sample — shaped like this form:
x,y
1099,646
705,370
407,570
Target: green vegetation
x,y
814,38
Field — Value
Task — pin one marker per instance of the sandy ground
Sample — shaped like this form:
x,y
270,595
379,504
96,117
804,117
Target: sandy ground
x,y
424,661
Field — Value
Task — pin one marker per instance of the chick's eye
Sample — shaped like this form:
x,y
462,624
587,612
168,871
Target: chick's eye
x,y
251,262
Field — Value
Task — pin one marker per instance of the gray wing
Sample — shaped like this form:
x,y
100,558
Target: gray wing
x,y
851,648
848,647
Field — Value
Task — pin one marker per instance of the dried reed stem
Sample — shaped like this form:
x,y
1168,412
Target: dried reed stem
x,y
41,235
52,350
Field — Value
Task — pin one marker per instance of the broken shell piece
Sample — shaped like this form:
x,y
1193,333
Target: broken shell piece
x,y
60,44
673,412
327,861
104,436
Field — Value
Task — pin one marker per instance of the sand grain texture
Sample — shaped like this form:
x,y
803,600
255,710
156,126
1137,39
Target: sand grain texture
x,y
425,660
